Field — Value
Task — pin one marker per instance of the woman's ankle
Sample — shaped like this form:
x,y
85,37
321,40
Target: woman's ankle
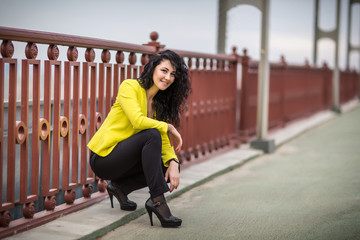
x,y
159,198
163,208
118,188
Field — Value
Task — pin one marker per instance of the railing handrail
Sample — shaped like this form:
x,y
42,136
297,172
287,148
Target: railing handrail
x,y
22,35
42,37
205,55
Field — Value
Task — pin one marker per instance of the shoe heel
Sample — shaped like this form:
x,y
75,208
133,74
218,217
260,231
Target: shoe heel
x,y
111,199
150,216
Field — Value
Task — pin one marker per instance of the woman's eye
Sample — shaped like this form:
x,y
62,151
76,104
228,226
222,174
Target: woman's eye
x,y
164,71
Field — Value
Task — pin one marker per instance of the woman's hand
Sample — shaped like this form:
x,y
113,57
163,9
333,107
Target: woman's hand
x,y
175,137
173,174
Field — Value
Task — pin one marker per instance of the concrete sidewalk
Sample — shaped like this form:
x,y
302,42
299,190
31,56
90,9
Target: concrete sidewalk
x,y
217,209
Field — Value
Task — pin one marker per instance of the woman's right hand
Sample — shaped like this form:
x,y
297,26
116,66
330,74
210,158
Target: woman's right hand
x,y
175,137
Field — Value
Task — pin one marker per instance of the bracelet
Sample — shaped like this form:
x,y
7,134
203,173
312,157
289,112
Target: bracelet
x,y
175,160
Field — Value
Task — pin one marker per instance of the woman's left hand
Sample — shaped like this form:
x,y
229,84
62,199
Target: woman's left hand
x,y
175,136
173,174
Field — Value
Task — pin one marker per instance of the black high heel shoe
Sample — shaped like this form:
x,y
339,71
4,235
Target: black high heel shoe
x,y
127,205
165,222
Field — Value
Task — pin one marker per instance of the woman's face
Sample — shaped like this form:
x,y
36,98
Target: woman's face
x,y
164,75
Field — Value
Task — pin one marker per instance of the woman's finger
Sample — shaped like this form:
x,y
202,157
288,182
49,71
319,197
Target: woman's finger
x,y
171,187
176,184
178,148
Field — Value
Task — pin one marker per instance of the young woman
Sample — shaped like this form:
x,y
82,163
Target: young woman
x,y
133,146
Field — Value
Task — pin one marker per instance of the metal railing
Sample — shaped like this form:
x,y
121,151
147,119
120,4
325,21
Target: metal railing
x,y
44,170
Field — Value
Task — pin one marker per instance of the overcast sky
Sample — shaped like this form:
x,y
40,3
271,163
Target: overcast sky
x,y
191,24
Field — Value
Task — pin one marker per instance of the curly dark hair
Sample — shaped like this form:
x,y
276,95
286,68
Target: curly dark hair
x,y
170,102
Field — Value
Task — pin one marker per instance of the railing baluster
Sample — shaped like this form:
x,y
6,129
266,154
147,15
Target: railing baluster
x,y
25,119
50,191
131,68
119,73
83,128
105,66
92,115
10,195
7,50
70,194
100,104
75,123
1,137
45,130
58,127
28,200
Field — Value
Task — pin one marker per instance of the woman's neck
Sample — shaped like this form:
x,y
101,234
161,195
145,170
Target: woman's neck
x,y
151,92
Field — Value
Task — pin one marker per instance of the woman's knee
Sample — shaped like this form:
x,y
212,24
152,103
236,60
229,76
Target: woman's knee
x,y
153,133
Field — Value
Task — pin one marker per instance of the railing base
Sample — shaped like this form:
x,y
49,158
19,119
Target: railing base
x,y
336,109
207,156
43,217
268,146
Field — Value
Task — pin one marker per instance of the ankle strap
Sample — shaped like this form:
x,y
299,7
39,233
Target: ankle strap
x,y
156,204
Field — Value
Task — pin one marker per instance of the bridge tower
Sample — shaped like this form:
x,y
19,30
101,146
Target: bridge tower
x,y
351,47
264,68
333,35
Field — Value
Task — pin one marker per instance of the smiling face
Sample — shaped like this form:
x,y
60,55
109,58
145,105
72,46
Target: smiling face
x,y
164,75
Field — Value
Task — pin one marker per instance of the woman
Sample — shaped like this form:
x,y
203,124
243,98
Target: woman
x,y
133,147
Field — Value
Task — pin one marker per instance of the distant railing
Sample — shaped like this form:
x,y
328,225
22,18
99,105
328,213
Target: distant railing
x,y
44,170
295,92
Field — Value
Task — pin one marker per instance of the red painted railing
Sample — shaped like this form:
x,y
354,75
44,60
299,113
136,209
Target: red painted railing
x,y
295,92
43,154
349,85
208,123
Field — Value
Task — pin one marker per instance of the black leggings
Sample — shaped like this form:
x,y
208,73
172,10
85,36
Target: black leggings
x,y
135,163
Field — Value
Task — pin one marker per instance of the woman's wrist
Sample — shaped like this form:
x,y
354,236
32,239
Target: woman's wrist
x,y
174,160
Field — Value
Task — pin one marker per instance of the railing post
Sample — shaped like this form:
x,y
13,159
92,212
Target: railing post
x,y
357,84
244,96
189,116
282,91
154,37
237,75
327,85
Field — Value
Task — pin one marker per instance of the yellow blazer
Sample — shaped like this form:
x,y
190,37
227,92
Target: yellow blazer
x,y
127,117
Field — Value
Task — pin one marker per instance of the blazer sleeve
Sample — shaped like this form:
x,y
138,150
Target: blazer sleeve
x,y
129,102
167,151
